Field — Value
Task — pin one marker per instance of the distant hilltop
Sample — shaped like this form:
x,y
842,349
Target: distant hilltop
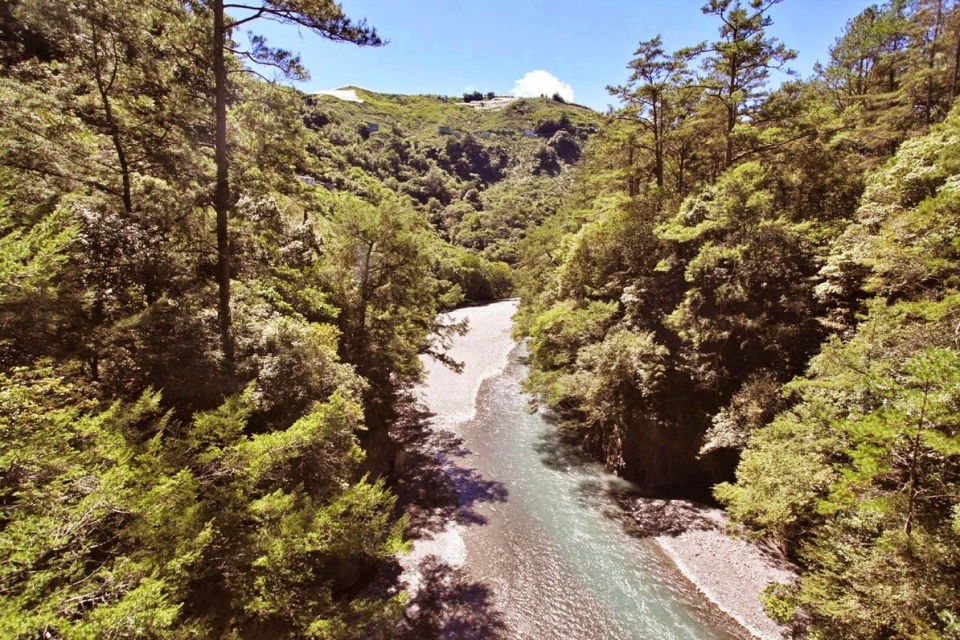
x,y
353,110
475,100
347,93
497,102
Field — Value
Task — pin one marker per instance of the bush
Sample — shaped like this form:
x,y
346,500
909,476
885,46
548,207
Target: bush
x,y
547,128
565,146
547,161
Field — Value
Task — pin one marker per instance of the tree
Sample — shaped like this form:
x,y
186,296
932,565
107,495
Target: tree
x,y
379,270
325,18
647,95
859,478
737,66
104,130
124,522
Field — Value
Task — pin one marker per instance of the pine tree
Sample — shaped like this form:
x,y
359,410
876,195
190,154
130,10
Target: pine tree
x,y
323,17
737,66
651,99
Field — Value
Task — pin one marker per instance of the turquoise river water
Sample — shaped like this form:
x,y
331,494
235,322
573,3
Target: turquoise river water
x,y
540,528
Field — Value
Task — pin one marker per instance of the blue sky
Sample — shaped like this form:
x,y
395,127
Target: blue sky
x,y
449,46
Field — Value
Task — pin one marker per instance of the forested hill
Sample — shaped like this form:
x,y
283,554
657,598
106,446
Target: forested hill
x,y
759,286
214,292
483,172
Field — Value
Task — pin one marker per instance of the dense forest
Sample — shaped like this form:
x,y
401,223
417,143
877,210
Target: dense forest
x,y
756,289
215,292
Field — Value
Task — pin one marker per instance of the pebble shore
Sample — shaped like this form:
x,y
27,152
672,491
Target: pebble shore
x,y
729,570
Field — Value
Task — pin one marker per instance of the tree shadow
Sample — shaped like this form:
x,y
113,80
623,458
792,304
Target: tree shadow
x,y
432,483
559,451
450,605
665,516
472,489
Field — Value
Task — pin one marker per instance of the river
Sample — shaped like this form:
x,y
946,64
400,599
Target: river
x,y
537,529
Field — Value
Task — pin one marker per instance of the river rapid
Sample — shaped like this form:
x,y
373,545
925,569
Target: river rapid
x,y
537,530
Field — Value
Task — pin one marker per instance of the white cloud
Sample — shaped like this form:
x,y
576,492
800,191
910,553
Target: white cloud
x,y
469,87
537,83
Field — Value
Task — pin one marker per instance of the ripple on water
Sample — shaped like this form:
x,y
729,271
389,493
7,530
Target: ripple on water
x,y
542,533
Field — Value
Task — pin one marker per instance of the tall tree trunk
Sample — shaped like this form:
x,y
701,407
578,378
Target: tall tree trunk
x,y
103,88
361,330
658,163
221,199
728,135
633,187
658,140
680,167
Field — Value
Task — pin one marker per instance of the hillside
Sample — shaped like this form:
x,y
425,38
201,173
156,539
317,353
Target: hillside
x,y
482,176
755,291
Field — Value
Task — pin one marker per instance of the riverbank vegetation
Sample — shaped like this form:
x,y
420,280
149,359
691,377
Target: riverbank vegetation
x,y
213,291
756,289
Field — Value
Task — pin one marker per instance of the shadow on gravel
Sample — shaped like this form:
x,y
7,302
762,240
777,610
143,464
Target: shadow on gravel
x,y
431,484
434,487
644,516
449,605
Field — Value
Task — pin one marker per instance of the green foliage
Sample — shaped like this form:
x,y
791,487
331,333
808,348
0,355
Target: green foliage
x,y
778,602
560,332
860,478
475,279
703,285
123,522
479,175
744,290
31,257
903,242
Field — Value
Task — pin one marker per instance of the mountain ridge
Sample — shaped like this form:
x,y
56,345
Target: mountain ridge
x,y
483,178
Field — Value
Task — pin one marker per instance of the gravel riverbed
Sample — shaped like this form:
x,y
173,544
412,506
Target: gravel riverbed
x,y
446,598
728,569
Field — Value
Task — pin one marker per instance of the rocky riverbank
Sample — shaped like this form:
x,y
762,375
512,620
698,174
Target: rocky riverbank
x,y
509,534
702,542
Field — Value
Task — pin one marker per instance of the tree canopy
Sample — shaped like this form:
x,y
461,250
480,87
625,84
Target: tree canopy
x,y
752,289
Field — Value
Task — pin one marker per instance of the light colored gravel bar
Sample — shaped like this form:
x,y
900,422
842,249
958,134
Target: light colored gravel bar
x,y
729,571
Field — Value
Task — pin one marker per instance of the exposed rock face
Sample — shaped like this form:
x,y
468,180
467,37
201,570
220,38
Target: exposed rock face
x,y
660,456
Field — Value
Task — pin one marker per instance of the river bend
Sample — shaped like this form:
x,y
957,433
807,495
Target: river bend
x,y
537,525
